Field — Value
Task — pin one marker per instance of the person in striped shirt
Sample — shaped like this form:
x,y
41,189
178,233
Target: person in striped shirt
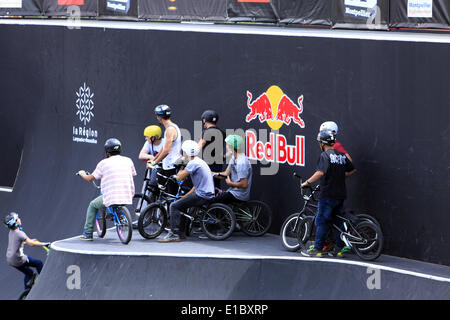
x,y
116,173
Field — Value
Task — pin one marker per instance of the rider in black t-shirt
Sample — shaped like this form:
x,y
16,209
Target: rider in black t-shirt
x,y
332,169
212,143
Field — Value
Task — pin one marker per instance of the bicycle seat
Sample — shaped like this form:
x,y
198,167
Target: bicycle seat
x,y
116,206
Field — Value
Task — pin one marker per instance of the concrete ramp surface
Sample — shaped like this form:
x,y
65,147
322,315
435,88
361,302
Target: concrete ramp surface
x,y
240,268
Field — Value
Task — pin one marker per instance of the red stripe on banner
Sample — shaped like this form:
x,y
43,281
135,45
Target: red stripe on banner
x,y
70,2
260,1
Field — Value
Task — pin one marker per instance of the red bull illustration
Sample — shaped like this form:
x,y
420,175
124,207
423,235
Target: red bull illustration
x,y
275,108
288,110
260,108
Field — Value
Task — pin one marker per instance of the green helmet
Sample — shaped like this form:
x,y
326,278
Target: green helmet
x,y
235,141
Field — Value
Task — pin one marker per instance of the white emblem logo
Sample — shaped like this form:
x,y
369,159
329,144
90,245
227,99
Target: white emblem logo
x,y
85,104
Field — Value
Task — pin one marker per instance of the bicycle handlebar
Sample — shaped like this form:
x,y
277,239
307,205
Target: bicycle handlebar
x,y
93,181
219,175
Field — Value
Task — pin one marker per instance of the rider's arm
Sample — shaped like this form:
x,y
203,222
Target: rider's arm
x,y
87,177
224,173
243,183
201,144
171,133
182,175
349,173
34,242
144,155
315,177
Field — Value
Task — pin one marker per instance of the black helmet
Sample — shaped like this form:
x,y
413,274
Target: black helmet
x,y
164,111
113,146
210,116
327,137
11,220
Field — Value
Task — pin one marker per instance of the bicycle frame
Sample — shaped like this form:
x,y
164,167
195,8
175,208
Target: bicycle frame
x,y
111,210
348,238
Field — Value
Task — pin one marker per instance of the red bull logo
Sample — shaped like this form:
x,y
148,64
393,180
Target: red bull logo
x,y
275,108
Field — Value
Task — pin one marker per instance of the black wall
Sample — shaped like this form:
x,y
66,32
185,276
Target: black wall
x,y
390,99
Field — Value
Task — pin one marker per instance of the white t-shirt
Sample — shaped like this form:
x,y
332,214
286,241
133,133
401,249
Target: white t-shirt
x,y
153,148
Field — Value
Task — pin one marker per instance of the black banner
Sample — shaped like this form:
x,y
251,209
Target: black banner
x,y
21,8
361,14
420,14
118,9
252,10
315,12
213,10
71,8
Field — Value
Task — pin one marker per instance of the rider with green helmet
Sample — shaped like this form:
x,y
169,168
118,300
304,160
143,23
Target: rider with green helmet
x,y
238,173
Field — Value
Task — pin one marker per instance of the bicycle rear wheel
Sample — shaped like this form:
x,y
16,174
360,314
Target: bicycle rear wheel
x,y
256,217
152,221
371,244
367,217
124,227
218,221
100,223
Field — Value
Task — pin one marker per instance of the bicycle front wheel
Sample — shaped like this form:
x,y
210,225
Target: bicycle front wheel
x,y
100,223
289,232
124,227
256,217
152,221
140,202
218,221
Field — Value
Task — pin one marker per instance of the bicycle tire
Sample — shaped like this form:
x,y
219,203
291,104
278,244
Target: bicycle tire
x,y
368,217
372,234
218,221
306,233
288,235
100,223
125,227
152,221
139,206
261,218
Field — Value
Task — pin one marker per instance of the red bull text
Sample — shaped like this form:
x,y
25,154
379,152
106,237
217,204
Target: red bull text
x,y
276,150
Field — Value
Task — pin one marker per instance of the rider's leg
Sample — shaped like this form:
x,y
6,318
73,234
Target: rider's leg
x,y
181,205
91,213
28,272
324,215
338,210
153,182
225,197
35,263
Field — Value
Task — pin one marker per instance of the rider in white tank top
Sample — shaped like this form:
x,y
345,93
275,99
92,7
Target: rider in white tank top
x,y
175,151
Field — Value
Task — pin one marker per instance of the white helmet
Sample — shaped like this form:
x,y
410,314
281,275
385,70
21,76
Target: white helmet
x,y
190,147
329,125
